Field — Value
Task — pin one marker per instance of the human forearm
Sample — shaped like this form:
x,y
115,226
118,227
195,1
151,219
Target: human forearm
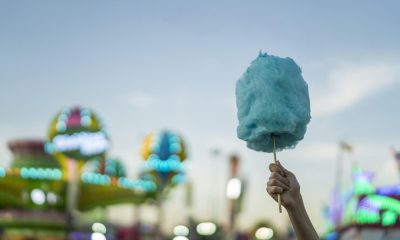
x,y
284,182
301,222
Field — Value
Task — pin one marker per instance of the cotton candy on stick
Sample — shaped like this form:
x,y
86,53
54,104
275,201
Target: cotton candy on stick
x,y
273,105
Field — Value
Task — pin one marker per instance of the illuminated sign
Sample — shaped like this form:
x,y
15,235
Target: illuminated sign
x,y
86,143
78,133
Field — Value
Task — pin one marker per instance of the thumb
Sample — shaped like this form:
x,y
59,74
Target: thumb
x,y
285,171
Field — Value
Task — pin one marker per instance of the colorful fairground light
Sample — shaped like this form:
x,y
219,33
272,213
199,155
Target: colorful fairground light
x,y
77,133
112,167
36,189
164,154
364,210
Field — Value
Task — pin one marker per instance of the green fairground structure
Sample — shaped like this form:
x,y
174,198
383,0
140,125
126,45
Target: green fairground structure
x,y
50,185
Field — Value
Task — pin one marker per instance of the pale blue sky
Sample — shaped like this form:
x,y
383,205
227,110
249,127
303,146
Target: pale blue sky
x,y
148,65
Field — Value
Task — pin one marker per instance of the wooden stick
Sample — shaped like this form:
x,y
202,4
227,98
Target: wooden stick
x,y
274,150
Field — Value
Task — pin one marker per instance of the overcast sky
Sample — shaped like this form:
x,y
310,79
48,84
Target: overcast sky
x,y
151,65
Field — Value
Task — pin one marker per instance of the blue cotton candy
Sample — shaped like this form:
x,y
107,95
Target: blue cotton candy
x,y
272,99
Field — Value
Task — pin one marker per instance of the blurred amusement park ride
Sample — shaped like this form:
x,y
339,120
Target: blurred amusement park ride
x,y
50,184
364,211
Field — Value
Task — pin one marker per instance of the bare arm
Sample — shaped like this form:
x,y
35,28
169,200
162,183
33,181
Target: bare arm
x,y
285,183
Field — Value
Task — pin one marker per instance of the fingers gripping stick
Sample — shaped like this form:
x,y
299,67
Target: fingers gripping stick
x,y
275,161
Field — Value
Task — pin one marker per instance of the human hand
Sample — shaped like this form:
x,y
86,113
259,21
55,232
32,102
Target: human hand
x,y
283,182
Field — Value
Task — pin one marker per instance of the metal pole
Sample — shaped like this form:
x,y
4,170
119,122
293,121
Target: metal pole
x,y
71,194
160,214
339,169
